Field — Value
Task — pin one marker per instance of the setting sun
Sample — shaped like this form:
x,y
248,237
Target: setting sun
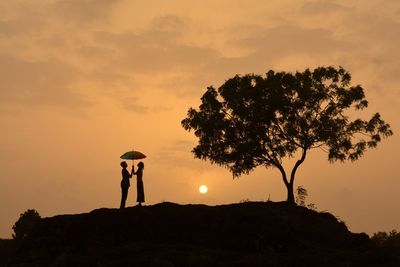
x,y
203,189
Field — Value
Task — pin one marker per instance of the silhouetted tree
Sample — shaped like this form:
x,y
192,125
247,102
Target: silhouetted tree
x,y
24,224
389,242
253,120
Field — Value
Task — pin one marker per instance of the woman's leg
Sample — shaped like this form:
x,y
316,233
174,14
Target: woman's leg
x,y
140,192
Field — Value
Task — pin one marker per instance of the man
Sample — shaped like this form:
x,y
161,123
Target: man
x,y
124,183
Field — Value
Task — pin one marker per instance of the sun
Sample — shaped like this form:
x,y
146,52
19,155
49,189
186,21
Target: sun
x,y
203,189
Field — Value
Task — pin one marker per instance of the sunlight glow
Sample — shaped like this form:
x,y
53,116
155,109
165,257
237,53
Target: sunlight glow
x,y
203,189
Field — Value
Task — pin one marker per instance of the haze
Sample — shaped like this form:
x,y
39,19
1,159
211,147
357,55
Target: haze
x,y
83,81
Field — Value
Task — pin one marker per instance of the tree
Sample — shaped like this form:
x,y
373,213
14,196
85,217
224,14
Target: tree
x,y
24,224
389,242
253,121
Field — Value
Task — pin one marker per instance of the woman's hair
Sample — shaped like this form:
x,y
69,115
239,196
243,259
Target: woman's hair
x,y
141,165
123,164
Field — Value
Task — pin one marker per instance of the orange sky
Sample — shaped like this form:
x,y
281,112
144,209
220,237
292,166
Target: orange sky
x,y
83,81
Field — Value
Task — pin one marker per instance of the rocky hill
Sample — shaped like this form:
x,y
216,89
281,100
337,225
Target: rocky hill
x,y
168,234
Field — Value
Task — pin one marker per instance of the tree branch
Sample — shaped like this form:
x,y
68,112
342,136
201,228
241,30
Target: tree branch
x,y
271,158
282,170
318,146
298,163
287,137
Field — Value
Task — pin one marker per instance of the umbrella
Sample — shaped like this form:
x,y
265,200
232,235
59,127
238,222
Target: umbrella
x,y
133,155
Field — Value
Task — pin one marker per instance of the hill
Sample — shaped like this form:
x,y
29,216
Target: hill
x,y
168,234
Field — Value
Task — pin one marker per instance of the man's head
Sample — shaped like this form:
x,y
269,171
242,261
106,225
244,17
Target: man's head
x,y
123,164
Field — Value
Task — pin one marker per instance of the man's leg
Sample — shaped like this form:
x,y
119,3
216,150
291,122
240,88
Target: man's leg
x,y
124,195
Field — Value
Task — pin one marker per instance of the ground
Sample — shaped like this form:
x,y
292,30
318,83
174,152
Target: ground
x,y
168,234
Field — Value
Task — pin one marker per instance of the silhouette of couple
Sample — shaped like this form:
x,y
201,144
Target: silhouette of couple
x,y
125,183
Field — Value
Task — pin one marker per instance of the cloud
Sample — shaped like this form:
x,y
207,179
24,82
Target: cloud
x,y
47,52
165,54
162,53
321,8
373,53
25,18
160,56
133,104
169,23
48,82
83,12
155,51
178,151
289,39
35,18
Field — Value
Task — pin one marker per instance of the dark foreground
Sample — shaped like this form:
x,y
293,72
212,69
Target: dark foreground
x,y
167,234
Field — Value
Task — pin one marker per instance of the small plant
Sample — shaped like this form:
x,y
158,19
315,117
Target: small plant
x,y
301,195
312,206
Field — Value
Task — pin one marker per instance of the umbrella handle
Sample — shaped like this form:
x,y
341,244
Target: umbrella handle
x,y
133,160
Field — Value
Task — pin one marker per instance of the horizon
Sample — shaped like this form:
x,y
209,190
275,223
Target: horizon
x,y
86,81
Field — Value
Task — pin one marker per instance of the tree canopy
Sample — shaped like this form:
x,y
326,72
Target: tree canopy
x,y
24,224
255,120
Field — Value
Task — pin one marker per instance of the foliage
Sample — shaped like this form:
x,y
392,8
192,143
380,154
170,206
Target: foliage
x,y
21,228
7,250
301,196
24,224
253,121
388,241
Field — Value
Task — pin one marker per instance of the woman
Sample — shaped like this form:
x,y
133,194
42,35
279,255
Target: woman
x,y
125,183
139,180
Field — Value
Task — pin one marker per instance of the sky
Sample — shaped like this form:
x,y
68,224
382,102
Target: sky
x,y
83,81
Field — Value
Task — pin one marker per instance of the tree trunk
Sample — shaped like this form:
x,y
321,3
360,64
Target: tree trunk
x,y
290,194
289,185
